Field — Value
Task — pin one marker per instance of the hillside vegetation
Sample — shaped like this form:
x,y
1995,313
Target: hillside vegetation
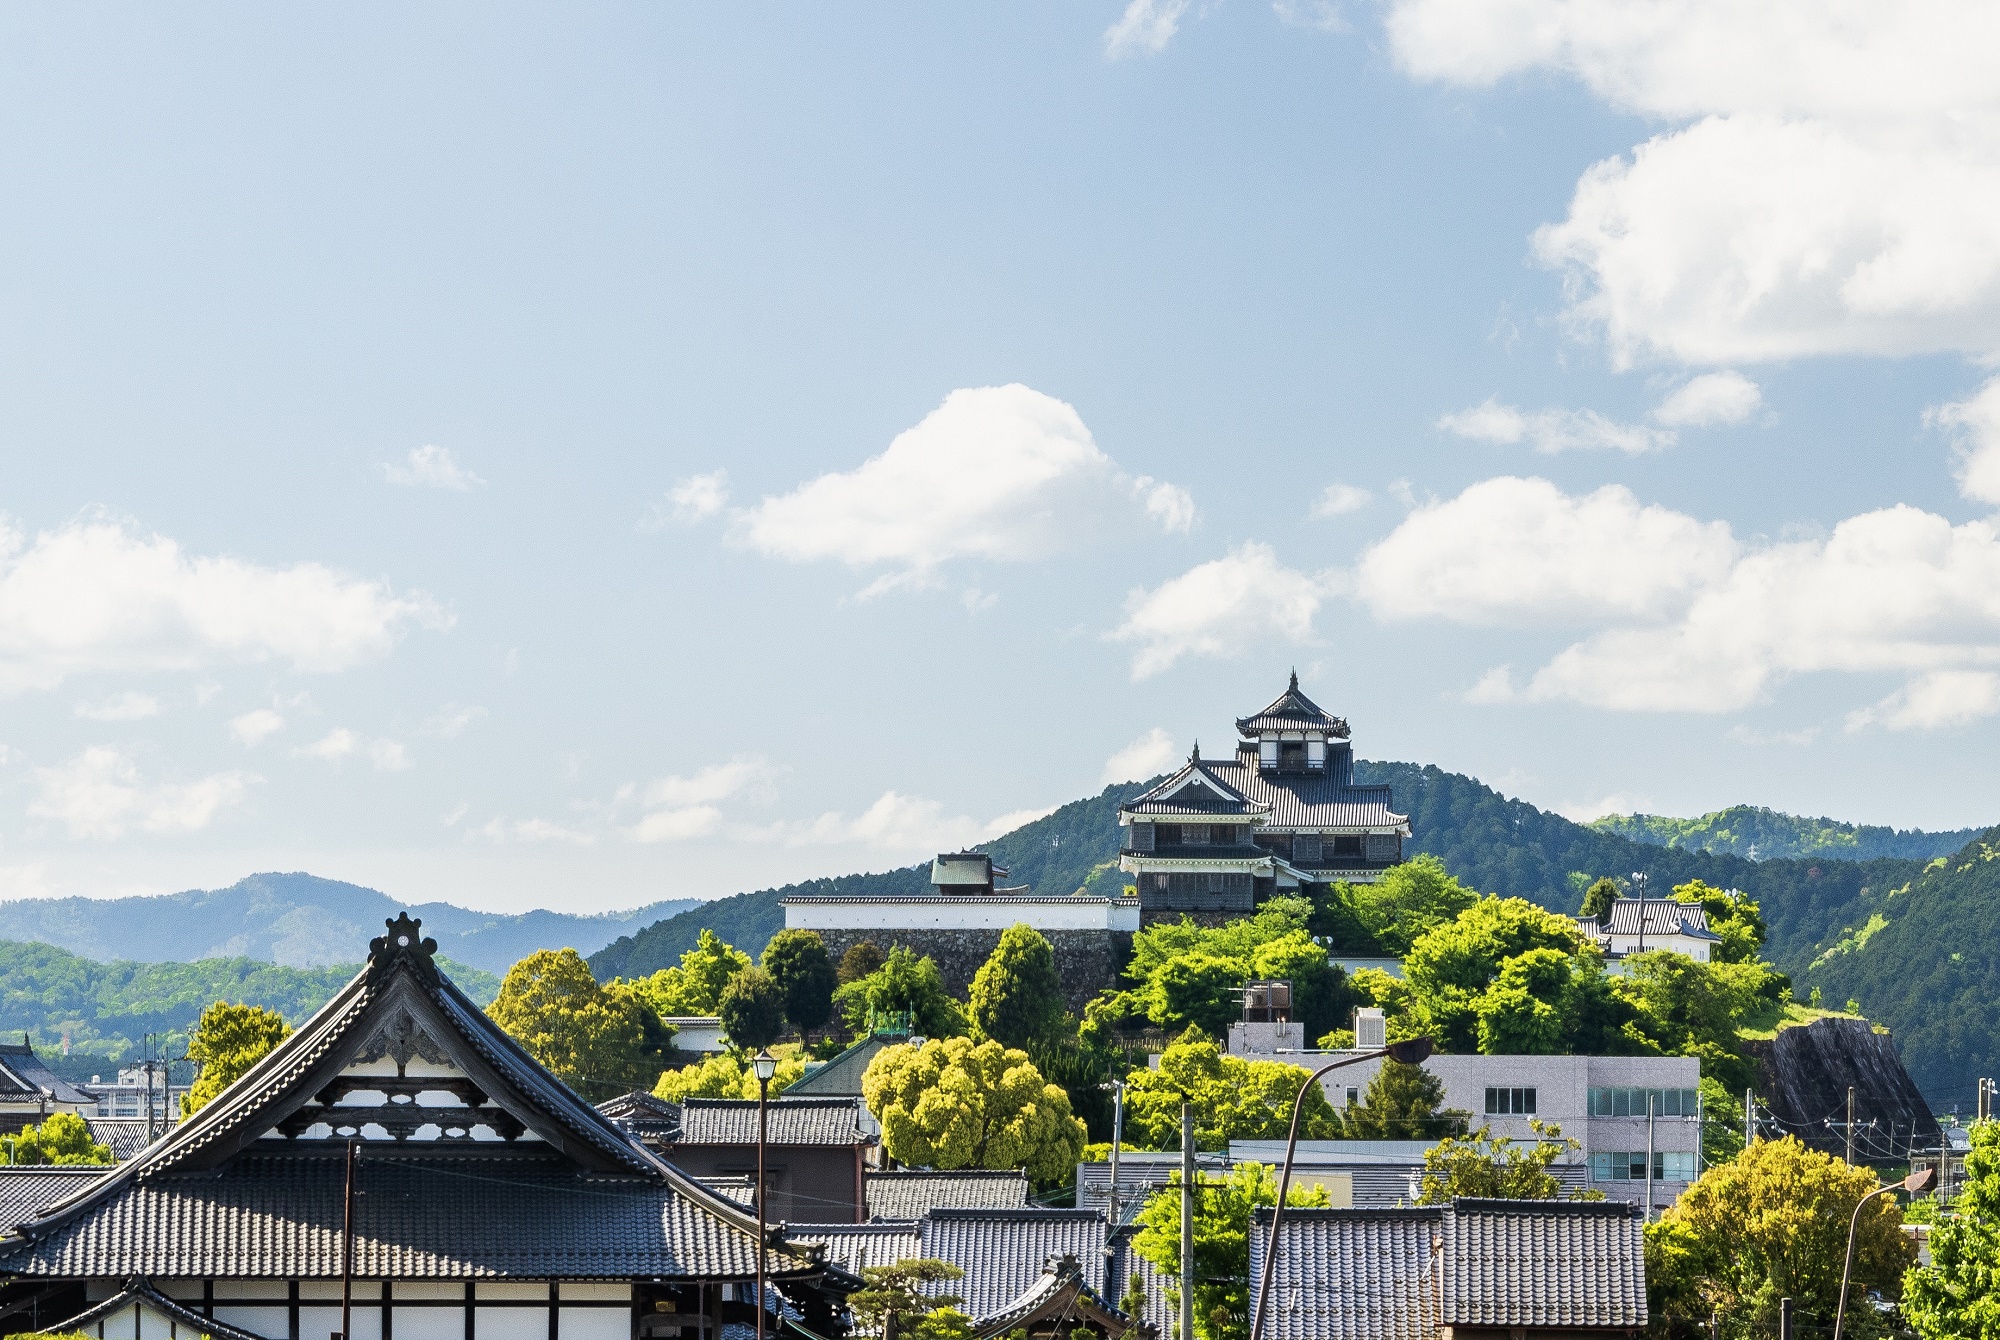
x,y
104,1009
300,920
1759,834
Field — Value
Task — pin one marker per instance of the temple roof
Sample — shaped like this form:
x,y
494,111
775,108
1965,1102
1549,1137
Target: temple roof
x,y
1659,916
1292,711
1327,799
248,1187
831,1120
23,1078
1197,790
909,1193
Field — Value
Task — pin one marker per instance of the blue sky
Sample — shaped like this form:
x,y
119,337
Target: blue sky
x,y
451,449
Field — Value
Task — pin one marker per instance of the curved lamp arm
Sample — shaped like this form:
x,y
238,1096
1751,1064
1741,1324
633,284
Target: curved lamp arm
x,y
1916,1184
1410,1051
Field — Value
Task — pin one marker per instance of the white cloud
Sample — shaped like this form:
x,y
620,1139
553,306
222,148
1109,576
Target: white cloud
x,y
432,467
1933,700
450,721
677,825
679,808
1149,755
1827,183
1710,400
995,472
127,706
696,498
1145,28
340,743
1975,426
98,597
1805,735
500,831
1339,500
908,824
256,726
1014,819
1553,430
1511,550
1219,608
1619,802
99,794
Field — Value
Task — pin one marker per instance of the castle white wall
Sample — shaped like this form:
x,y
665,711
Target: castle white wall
x,y
976,913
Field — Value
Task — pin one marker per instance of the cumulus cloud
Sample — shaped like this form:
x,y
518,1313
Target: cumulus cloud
x,y
1933,700
127,706
1521,551
679,808
450,721
995,472
1553,430
1711,400
1148,756
1145,28
256,726
341,743
1339,500
97,596
1826,184
1220,608
696,498
431,467
1974,424
100,794
900,823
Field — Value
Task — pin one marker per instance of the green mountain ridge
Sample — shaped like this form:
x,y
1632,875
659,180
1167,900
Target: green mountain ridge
x,y
1757,833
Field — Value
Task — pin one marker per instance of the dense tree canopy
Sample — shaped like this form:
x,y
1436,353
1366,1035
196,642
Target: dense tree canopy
x,y
798,962
1495,1167
228,1041
902,1301
1958,1294
62,1138
1771,1224
1402,1102
601,1041
904,984
694,988
725,1075
1231,1098
1017,996
1408,900
1223,1206
1184,974
752,1010
956,1103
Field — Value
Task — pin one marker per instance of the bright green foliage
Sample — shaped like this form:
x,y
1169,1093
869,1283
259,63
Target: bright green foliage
x,y
1017,996
694,989
1496,1167
1450,968
1187,974
1771,1224
1408,900
1744,830
904,983
1221,1241
1402,1102
956,1103
1721,1121
62,1138
726,1075
1597,899
862,958
897,1305
228,1041
601,1041
752,1010
797,960
1958,1294
1738,920
1233,1099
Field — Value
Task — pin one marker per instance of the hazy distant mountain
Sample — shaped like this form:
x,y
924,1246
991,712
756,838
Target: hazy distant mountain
x,y
302,921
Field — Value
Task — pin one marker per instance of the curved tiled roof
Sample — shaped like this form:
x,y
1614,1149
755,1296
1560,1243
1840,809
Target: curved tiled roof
x,y
1543,1263
788,1121
25,1190
23,1075
1197,789
911,1193
1285,800
1292,711
1348,1274
141,1292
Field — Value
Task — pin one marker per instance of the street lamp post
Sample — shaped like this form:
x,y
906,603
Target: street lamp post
x,y
765,1065
1916,1184
1410,1051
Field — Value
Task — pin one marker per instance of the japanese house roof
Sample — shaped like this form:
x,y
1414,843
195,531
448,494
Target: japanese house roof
x,y
1325,799
1292,711
912,1193
24,1077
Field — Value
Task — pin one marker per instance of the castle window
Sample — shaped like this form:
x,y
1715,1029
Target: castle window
x,y
1167,835
1222,834
1267,753
1347,844
1316,754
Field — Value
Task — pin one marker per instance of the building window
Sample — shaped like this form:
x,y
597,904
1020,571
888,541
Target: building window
x,y
1162,882
1353,1095
1222,835
1630,1166
1632,1102
1347,844
1167,835
1267,753
1510,1102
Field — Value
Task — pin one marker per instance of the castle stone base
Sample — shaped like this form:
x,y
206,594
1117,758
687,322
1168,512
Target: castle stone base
x,y
1086,960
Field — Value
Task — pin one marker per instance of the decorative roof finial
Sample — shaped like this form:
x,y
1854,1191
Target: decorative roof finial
x,y
1295,679
405,940
1194,755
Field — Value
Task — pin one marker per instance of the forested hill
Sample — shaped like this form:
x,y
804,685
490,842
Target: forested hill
x,y
1761,834
301,921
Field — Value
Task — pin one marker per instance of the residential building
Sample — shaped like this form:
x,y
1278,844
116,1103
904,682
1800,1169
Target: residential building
x,y
816,1154
1643,925
697,1034
136,1090
1470,1270
488,1200
30,1091
1283,814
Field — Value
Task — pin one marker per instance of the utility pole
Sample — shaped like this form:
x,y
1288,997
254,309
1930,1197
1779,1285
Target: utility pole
x,y
1639,878
1749,1117
1111,1202
1850,1125
1652,1104
1784,1319
347,1246
1700,1134
1187,1221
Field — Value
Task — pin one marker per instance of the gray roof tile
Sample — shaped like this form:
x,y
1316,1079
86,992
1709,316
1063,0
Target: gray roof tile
x,y
855,1247
1002,1252
790,1121
125,1136
1663,916
22,1072
1287,800
1348,1274
912,1194
26,1190
1292,710
1543,1263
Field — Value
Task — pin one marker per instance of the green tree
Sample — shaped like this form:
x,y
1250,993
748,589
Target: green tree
x,y
861,960
1321,996
724,1075
1520,1014
1017,995
797,960
1597,899
956,1103
694,989
601,1041
228,1041
1450,966
1731,915
1958,1294
1771,1224
1402,1102
1495,1167
1233,1099
903,984
1223,1206
1408,900
752,1009
63,1138
898,1301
